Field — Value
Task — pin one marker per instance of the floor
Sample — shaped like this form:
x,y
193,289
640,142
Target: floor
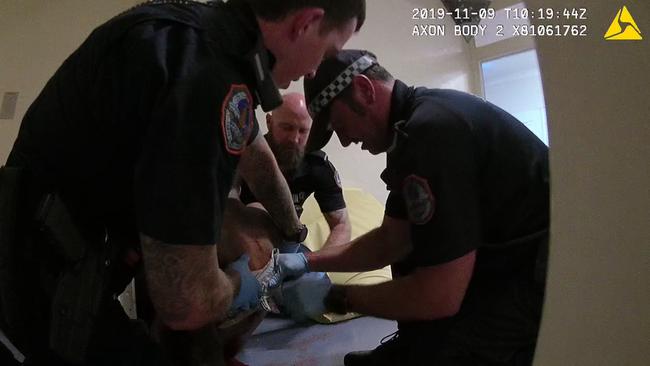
x,y
282,342
279,341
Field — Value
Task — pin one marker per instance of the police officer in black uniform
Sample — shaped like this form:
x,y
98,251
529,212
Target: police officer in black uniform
x,y
465,228
306,174
128,155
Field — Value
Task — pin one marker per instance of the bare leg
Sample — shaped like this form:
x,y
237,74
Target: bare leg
x,y
245,230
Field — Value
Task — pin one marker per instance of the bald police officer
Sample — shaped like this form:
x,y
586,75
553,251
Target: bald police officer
x,y
306,174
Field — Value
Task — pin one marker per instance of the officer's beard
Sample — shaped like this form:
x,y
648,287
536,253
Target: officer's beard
x,y
288,157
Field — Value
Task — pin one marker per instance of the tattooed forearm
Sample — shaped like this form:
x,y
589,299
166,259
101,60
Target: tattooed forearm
x,y
340,228
260,170
185,283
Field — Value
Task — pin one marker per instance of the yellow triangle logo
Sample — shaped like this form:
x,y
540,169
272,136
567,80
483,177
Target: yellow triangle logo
x,y
623,27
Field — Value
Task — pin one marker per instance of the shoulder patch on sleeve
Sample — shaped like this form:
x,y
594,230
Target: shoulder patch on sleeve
x,y
420,202
337,178
328,163
237,118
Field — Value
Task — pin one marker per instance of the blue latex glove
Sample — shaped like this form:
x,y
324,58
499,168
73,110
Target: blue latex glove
x,y
289,266
249,289
293,248
303,298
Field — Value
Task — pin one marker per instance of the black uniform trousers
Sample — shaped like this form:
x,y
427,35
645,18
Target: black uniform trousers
x,y
498,324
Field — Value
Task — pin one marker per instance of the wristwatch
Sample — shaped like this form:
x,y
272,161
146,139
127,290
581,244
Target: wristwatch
x,y
336,300
299,236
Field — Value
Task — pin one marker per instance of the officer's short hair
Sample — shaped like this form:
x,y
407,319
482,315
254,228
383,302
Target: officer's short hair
x,y
375,72
337,12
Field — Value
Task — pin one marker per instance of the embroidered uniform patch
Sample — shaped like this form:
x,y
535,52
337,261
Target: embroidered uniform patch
x,y
237,118
337,178
420,202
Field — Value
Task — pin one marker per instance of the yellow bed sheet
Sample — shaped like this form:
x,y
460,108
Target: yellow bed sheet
x,y
366,213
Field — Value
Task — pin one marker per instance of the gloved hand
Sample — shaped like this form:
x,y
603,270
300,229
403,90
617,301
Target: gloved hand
x,y
303,298
289,266
249,289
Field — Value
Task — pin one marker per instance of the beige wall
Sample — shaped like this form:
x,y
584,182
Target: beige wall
x,y
598,298
35,37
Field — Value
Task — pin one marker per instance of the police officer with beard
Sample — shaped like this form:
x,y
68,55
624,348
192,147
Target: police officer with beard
x,y
289,127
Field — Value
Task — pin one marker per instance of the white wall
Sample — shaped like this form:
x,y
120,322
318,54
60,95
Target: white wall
x,y
421,61
35,38
597,310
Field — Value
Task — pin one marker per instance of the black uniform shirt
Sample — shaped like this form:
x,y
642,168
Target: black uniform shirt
x,y
316,175
467,175
141,128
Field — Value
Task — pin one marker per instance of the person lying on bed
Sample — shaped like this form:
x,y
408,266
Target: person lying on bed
x,y
465,227
248,238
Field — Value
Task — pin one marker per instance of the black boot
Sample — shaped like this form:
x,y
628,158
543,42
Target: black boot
x,y
392,351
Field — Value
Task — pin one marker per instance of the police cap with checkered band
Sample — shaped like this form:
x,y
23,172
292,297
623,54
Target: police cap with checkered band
x,y
332,77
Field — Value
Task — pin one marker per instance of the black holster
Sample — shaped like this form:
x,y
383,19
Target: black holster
x,y
82,287
80,255
19,313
